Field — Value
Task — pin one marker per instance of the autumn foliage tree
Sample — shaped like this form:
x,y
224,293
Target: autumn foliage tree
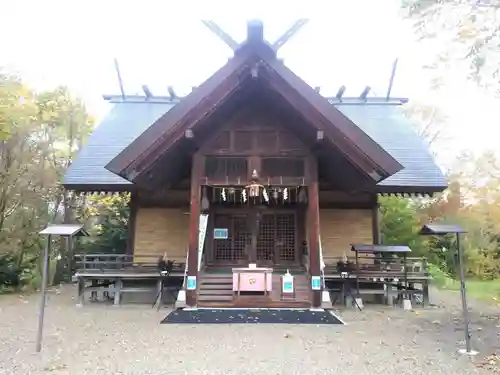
x,y
39,135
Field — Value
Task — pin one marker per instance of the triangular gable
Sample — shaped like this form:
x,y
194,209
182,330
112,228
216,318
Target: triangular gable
x,y
256,59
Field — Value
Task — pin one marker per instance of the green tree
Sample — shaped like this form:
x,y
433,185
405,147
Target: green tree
x,y
107,218
66,125
39,135
401,223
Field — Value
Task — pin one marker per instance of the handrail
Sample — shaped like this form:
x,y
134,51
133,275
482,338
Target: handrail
x,y
185,270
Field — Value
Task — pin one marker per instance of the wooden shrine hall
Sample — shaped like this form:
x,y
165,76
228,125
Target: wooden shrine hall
x,y
252,176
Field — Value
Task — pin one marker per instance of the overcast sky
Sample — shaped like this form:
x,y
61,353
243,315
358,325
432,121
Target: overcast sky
x,y
163,43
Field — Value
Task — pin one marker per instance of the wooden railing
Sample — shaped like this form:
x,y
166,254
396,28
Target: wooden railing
x,y
370,265
116,262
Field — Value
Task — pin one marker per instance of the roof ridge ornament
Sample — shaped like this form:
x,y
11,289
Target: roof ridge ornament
x,y
255,33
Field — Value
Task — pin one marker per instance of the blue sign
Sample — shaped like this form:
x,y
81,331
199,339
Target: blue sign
x,y
316,283
220,234
191,283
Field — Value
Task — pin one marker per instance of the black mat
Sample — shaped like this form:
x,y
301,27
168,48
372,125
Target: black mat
x,y
214,316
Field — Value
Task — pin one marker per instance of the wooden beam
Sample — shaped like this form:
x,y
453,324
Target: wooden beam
x,y
289,33
313,226
225,37
194,220
340,93
147,91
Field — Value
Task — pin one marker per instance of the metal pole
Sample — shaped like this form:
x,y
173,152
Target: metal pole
x,y
463,293
45,276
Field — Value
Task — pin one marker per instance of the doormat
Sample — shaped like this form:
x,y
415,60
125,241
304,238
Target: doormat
x,y
230,316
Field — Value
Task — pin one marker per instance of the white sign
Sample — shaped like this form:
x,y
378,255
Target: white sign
x,y
202,232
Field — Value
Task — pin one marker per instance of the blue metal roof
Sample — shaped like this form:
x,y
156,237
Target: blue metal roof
x,y
384,122
390,128
124,123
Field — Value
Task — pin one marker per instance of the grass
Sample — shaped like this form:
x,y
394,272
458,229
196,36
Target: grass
x,y
485,290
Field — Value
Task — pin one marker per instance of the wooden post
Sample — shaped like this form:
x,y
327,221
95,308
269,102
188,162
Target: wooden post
x,y
377,236
133,206
254,225
313,227
194,219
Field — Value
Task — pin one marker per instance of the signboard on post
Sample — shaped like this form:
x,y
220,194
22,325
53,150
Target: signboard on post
x,y
316,283
287,284
191,283
220,233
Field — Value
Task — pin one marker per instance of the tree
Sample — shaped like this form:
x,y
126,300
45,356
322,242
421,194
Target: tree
x,y
401,223
39,136
466,33
107,217
427,120
67,125
472,201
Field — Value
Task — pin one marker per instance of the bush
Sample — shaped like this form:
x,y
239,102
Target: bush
x,y
441,278
10,274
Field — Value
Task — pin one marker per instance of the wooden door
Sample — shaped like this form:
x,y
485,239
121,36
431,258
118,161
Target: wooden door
x,y
277,239
233,249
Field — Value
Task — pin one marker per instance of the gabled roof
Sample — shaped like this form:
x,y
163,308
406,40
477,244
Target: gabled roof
x,y
383,121
254,60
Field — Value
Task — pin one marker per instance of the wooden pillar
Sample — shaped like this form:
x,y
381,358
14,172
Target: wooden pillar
x,y
377,235
133,206
254,229
194,219
313,227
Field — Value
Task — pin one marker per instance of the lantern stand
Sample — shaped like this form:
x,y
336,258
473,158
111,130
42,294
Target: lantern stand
x,y
440,230
63,230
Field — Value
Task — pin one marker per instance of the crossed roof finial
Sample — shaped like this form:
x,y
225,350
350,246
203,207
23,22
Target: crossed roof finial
x,y
255,27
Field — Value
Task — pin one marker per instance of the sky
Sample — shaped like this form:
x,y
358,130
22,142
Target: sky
x,y
163,43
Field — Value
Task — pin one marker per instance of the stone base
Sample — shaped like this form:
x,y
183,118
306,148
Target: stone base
x,y
180,303
326,302
359,302
407,304
464,351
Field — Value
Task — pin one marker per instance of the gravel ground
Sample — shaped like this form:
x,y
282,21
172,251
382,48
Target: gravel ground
x,y
102,339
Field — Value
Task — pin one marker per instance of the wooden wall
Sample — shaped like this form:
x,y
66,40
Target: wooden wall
x,y
342,227
160,230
